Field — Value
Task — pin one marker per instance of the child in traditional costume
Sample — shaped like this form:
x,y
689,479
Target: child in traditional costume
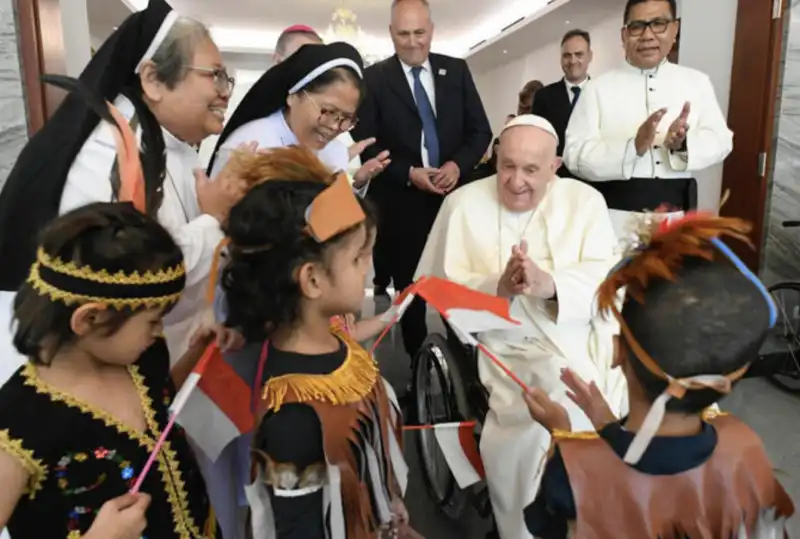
x,y
327,458
694,319
272,163
80,419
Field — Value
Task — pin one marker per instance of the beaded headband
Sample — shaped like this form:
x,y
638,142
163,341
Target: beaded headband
x,y
72,284
698,235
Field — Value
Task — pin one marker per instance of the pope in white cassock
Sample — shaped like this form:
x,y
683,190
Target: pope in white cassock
x,y
546,243
640,133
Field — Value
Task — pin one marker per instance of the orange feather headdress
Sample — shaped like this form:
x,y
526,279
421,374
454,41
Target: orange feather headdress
x,y
659,256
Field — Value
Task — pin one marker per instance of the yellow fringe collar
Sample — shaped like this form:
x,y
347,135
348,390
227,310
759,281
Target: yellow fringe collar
x,y
351,382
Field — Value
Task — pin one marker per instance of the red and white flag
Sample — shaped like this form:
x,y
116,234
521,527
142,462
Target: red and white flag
x,y
468,310
460,450
401,303
214,405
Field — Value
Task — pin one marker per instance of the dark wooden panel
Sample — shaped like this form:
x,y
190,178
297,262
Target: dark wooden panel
x,y
41,51
751,116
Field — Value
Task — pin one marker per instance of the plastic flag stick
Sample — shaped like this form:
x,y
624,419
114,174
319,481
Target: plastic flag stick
x,y
175,409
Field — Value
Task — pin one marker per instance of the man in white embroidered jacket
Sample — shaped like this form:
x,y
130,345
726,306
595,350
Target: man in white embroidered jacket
x,y
640,133
546,243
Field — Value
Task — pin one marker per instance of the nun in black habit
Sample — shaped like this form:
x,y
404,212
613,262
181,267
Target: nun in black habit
x,y
141,69
309,99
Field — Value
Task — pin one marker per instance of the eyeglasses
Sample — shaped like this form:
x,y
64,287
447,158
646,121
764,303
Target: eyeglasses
x,y
332,117
658,26
222,80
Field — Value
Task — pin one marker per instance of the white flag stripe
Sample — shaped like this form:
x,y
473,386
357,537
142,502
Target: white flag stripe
x,y
473,321
450,444
462,335
208,427
183,393
397,310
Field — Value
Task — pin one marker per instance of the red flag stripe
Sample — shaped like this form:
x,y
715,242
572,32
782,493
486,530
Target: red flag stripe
x,y
466,435
228,391
444,295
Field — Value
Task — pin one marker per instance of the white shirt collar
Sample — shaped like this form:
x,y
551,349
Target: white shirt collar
x,y
426,66
651,71
580,85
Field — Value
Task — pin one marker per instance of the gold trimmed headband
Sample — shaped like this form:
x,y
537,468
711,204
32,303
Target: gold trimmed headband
x,y
71,284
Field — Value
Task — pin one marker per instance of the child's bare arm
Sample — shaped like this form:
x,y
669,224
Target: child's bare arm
x,y
14,479
368,328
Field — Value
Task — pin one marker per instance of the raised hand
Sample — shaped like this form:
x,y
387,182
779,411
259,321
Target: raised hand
x,y
371,168
589,398
678,129
358,148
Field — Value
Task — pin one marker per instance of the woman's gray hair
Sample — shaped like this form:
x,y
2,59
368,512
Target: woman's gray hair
x,y
176,53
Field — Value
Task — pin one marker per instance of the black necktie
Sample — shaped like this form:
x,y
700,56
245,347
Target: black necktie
x,y
576,92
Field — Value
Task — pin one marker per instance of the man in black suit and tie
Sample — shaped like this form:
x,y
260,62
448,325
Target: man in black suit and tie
x,y
425,109
556,101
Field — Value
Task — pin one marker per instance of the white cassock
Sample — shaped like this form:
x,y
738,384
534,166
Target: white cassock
x,y
569,235
197,234
600,137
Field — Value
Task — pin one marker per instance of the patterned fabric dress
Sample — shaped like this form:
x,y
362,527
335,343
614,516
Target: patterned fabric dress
x,y
79,457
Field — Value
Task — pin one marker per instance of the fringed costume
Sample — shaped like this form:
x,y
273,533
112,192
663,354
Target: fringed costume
x,y
79,456
327,455
715,484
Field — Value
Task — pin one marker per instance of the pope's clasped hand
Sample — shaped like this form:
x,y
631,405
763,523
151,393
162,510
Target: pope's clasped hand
x,y
523,277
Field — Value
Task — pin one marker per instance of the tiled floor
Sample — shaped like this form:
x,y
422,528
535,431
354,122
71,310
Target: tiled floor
x,y
773,414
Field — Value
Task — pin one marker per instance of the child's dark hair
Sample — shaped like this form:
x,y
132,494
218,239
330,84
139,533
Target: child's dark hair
x,y
269,239
114,237
691,310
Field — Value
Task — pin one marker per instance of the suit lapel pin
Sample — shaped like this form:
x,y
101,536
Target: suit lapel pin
x,y
442,72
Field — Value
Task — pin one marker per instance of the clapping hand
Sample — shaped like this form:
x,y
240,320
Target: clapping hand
x,y
678,129
646,134
588,398
371,168
216,197
358,148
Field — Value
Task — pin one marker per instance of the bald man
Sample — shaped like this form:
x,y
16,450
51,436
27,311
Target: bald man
x,y
423,108
545,243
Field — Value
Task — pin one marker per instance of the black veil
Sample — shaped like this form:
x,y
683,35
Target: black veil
x,y
32,192
268,94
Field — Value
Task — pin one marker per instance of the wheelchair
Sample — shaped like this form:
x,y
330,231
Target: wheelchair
x,y
446,388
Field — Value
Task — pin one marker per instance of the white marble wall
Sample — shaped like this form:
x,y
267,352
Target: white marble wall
x,y
13,127
782,252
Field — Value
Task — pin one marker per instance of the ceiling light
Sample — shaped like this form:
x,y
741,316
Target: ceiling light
x,y
566,22
505,52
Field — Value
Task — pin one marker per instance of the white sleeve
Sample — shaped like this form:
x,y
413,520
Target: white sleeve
x,y
198,240
587,152
89,177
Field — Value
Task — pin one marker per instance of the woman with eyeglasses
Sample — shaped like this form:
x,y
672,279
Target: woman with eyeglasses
x,y
309,99
164,73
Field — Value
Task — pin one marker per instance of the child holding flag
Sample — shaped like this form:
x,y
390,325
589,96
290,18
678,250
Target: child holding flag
x,y
328,433
80,419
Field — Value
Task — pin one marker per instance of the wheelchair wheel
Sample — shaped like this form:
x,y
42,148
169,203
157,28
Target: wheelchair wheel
x,y
780,355
439,398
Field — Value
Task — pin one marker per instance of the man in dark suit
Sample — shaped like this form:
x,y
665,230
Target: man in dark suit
x,y
555,101
425,109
